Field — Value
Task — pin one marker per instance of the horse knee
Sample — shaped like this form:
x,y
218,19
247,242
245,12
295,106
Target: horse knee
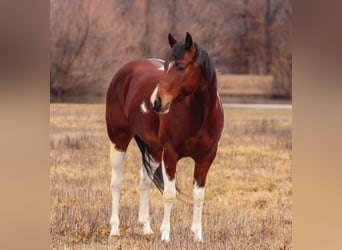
x,y
169,194
198,195
116,157
116,161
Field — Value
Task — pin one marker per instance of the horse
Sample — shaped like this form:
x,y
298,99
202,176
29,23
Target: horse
x,y
173,110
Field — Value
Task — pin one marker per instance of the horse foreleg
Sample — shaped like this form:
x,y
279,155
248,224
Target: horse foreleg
x,y
196,227
116,161
200,175
169,196
144,218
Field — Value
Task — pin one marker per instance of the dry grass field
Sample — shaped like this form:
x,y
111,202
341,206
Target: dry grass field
x,y
248,192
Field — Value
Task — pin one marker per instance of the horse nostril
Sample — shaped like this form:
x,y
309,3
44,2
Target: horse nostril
x,y
157,104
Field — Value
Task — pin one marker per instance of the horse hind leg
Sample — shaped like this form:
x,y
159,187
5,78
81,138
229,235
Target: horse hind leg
x,y
144,218
147,172
116,161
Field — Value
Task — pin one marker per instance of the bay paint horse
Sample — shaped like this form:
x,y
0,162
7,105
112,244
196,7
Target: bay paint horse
x,y
173,110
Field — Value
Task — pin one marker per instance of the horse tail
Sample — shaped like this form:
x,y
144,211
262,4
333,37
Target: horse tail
x,y
153,168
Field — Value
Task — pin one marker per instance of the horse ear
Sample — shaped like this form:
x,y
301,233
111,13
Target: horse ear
x,y
188,41
172,40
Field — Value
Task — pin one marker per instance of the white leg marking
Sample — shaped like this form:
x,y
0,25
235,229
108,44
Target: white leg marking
x,y
169,195
144,218
198,196
145,184
116,161
154,95
143,108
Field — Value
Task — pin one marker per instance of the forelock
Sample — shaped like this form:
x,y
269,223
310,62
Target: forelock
x,y
178,51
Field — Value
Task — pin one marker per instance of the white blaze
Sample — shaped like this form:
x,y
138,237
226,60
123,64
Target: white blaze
x,y
154,95
170,65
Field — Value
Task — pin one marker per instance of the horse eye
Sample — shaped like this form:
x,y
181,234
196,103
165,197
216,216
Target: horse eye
x,y
181,67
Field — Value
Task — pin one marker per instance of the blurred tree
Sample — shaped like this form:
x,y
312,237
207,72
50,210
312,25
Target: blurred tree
x,y
280,65
68,38
90,40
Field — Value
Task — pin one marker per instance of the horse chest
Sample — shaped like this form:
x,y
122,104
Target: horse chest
x,y
186,139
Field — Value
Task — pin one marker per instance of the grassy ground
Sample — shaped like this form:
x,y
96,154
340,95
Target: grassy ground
x,y
248,193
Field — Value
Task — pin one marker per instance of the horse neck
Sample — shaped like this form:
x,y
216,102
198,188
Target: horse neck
x,y
208,95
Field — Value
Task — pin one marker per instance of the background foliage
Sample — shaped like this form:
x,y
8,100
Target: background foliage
x,y
90,39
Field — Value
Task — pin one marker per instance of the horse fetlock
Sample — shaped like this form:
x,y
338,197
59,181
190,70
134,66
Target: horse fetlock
x,y
196,228
165,236
114,222
145,221
143,218
115,230
165,230
164,227
147,230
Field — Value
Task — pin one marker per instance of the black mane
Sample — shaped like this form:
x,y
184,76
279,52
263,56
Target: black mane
x,y
207,66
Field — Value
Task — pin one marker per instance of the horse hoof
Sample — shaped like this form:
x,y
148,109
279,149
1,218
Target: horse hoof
x,y
198,237
114,237
114,242
148,236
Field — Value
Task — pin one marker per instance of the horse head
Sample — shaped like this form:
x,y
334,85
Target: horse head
x,y
183,74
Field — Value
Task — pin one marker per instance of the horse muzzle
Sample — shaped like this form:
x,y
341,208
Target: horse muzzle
x,y
157,106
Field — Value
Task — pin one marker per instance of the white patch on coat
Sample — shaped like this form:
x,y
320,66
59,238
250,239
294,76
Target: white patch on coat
x,y
158,62
143,108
